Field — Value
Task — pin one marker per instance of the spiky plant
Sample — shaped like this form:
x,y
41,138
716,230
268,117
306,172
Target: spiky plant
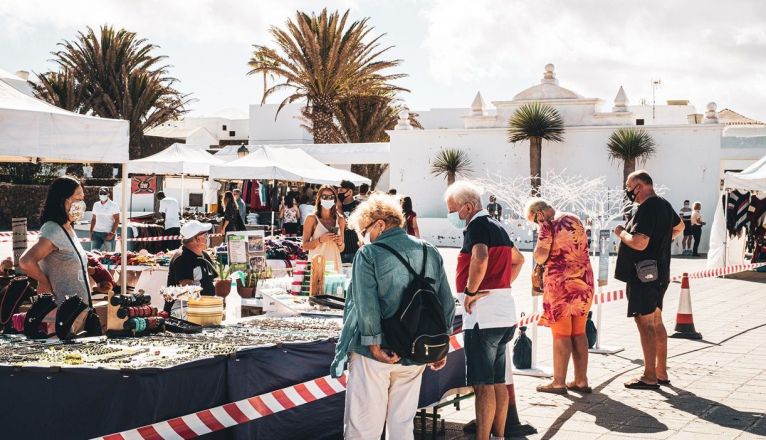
x,y
451,162
534,122
630,145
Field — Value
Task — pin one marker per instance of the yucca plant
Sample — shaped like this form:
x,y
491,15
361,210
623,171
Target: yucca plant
x,y
451,162
534,122
630,145
322,59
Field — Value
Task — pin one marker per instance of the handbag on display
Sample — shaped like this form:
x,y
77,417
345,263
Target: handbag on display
x,y
43,310
12,295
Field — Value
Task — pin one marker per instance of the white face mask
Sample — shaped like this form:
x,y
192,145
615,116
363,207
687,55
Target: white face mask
x,y
327,204
76,211
103,197
366,238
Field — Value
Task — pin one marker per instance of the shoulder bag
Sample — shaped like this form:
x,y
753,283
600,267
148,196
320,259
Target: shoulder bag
x,y
92,321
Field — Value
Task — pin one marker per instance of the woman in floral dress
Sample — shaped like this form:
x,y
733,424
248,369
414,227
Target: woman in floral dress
x,y
562,246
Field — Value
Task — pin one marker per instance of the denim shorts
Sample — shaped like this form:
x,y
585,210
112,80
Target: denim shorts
x,y
485,354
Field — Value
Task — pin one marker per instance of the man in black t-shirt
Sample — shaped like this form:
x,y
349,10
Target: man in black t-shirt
x,y
349,204
192,265
647,236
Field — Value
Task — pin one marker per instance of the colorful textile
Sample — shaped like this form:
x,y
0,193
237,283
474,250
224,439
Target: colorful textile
x,y
568,280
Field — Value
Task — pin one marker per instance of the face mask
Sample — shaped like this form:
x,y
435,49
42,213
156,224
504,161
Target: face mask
x,y
103,197
77,211
455,220
327,204
630,194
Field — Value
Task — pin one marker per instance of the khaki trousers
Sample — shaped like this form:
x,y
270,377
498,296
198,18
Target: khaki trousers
x,y
380,394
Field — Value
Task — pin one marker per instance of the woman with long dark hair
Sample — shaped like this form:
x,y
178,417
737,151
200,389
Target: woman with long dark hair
x,y
323,230
290,215
57,261
232,221
410,217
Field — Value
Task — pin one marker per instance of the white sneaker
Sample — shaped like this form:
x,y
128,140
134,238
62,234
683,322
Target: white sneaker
x,y
492,437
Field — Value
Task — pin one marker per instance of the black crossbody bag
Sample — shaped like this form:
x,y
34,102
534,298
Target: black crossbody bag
x,y
92,321
647,272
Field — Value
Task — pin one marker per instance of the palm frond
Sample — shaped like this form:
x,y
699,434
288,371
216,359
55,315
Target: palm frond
x,y
451,161
536,120
630,143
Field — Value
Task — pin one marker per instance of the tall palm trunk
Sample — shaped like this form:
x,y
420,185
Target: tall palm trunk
x,y
322,121
628,167
450,179
535,163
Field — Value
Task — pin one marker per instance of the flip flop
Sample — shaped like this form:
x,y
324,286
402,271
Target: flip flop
x,y
663,382
638,384
584,390
551,389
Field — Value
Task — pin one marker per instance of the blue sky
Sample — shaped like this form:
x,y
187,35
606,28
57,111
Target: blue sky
x,y
702,50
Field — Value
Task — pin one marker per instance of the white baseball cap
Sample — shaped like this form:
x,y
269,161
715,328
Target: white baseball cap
x,y
192,228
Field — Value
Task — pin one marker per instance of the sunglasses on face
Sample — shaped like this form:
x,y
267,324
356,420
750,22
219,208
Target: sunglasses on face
x,y
327,197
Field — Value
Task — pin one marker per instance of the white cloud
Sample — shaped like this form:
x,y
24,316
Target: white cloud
x,y
703,50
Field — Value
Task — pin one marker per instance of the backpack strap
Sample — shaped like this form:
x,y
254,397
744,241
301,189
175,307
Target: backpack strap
x,y
398,256
425,259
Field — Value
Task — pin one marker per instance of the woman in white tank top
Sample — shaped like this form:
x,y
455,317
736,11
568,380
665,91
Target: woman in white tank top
x,y
323,230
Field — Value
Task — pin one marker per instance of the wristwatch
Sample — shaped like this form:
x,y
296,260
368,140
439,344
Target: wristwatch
x,y
469,293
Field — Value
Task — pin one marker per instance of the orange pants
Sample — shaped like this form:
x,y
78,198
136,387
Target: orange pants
x,y
569,326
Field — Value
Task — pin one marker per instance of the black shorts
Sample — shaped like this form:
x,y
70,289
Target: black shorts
x,y
645,298
687,229
485,354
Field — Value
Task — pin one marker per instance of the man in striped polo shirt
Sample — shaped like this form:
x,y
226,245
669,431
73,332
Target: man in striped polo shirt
x,y
487,264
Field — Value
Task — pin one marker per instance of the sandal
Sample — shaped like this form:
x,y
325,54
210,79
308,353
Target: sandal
x,y
638,384
551,389
585,390
663,382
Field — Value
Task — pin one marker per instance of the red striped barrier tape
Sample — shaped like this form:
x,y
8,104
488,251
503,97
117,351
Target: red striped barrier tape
x,y
34,236
245,410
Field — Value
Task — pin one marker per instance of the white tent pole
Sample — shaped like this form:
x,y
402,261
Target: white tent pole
x,y
124,231
182,194
726,229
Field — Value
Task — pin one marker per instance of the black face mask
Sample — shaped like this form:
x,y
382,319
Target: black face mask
x,y
630,194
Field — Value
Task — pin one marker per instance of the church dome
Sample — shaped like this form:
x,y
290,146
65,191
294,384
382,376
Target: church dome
x,y
547,89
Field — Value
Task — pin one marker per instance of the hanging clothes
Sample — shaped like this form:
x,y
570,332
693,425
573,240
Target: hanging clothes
x,y
736,212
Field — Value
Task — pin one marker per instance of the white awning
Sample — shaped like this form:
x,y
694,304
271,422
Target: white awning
x,y
752,178
274,163
176,159
32,130
336,154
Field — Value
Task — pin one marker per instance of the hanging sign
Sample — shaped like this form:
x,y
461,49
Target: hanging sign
x,y
604,243
143,185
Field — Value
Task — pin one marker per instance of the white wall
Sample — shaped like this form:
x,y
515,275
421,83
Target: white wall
x,y
286,129
687,161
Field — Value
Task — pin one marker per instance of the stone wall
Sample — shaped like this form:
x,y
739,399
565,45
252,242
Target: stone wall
x,y
27,201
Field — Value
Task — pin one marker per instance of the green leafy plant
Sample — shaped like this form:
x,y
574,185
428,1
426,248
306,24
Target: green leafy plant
x,y
534,122
630,145
451,162
224,270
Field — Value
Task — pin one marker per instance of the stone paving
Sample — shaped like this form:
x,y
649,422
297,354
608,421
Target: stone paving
x,y
718,384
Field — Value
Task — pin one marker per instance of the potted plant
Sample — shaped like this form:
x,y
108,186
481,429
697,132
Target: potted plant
x,y
222,283
251,282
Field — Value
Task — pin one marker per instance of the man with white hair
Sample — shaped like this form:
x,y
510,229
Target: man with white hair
x,y
487,264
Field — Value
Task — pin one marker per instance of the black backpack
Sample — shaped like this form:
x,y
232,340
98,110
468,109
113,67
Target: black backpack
x,y
418,330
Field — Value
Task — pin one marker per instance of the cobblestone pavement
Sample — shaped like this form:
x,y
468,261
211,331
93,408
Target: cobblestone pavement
x,y
718,384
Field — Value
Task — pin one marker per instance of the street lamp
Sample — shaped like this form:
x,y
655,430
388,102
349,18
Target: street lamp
x,y
242,151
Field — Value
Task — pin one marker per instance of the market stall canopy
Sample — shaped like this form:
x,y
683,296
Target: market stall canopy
x,y
277,163
752,178
176,159
336,154
32,130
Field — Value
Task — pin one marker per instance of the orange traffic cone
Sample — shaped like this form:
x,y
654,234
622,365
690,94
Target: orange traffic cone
x,y
684,319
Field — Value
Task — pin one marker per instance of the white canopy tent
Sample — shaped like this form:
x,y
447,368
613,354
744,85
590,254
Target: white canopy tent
x,y
725,250
34,131
336,154
274,163
177,159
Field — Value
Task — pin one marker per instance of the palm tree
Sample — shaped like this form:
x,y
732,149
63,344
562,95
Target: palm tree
x,y
451,162
534,122
630,145
323,61
114,74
